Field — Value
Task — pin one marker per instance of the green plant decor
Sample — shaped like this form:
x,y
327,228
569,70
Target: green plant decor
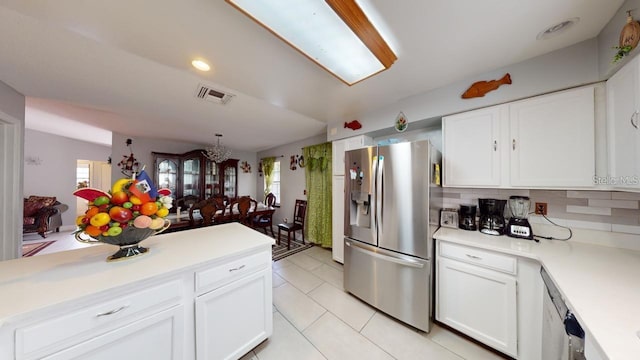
x,y
622,51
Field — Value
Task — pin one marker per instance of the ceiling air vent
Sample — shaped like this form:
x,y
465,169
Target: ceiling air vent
x,y
206,92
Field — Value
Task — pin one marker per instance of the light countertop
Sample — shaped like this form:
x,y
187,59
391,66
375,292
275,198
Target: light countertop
x,y
600,284
37,282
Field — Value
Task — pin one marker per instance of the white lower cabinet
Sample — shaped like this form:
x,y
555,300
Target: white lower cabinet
x,y
214,310
477,300
233,319
157,337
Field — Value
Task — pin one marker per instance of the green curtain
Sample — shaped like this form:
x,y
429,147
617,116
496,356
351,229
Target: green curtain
x,y
267,167
318,183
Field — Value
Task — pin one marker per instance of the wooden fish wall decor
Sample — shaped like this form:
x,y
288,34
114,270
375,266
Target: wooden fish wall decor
x,y
480,88
353,125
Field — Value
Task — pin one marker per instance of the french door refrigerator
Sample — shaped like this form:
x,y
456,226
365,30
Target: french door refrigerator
x,y
392,204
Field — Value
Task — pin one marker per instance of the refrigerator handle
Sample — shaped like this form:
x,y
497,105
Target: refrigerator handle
x,y
379,193
374,199
405,262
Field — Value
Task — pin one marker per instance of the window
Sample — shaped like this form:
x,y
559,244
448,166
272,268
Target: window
x,y
275,187
82,174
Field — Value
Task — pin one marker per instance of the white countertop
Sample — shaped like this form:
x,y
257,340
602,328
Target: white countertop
x,y
600,284
37,282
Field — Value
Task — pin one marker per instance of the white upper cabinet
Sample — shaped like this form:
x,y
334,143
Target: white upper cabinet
x,y
543,142
623,136
472,147
553,140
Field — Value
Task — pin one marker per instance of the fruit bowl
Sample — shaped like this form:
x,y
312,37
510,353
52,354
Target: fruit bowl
x,y
128,240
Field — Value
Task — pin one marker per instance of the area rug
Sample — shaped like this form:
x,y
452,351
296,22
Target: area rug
x,y
31,249
279,252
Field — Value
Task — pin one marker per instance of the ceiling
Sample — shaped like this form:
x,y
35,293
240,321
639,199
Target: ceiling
x,y
130,61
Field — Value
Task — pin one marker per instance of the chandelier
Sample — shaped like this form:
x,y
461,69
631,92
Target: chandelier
x,y
217,153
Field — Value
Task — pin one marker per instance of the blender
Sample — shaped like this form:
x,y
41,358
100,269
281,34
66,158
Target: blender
x,y
519,226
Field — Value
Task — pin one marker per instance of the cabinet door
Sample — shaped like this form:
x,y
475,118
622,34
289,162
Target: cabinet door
x,y
480,303
233,319
623,136
167,174
191,174
472,148
229,173
337,225
552,140
159,336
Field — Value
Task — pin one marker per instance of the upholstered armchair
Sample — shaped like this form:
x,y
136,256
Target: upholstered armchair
x,y
42,214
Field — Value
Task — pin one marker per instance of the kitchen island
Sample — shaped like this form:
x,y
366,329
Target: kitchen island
x,y
203,292
599,284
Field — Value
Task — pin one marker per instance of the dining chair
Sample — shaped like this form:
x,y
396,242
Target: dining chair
x,y
298,223
207,208
270,200
245,205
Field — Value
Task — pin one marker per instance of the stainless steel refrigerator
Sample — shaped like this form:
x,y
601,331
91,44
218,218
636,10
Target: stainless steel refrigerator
x,y
392,204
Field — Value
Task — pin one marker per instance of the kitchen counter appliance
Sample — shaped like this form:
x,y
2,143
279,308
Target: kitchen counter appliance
x,y
519,226
492,216
390,218
468,217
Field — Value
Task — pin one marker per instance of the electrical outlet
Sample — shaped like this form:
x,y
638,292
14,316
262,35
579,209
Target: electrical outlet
x,y
541,208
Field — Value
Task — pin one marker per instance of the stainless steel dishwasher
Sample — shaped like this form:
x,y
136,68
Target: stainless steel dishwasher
x,y
562,335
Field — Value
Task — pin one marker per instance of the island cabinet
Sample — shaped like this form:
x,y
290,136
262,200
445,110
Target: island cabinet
x,y
193,296
193,174
546,141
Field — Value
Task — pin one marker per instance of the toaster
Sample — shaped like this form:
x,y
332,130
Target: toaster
x,y
449,218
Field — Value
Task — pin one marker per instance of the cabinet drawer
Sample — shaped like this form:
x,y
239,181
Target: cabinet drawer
x,y
479,257
74,326
219,275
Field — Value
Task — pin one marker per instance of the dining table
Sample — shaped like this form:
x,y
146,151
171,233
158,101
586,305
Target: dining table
x,y
181,221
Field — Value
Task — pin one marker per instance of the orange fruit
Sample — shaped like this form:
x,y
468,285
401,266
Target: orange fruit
x,y
135,200
92,211
92,230
149,208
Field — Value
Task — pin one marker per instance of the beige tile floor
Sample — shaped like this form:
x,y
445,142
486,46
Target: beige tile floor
x,y
313,318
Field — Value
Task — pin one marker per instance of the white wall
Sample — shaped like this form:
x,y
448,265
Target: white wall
x,y
55,175
12,106
561,69
292,183
143,147
609,37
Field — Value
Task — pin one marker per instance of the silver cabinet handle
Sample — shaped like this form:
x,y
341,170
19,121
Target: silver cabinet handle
x,y
634,116
474,257
495,145
237,268
513,144
111,312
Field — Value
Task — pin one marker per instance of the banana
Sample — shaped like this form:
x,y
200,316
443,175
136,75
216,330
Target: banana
x,y
119,185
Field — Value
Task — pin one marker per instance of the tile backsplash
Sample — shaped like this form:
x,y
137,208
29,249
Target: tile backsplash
x,y
595,210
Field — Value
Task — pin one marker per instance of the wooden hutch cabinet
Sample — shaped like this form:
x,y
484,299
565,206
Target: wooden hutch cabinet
x,y
192,173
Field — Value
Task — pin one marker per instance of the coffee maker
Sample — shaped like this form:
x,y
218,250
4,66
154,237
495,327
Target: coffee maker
x,y
467,219
519,226
492,216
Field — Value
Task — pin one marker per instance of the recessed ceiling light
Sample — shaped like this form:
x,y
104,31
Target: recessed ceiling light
x,y
201,65
557,29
